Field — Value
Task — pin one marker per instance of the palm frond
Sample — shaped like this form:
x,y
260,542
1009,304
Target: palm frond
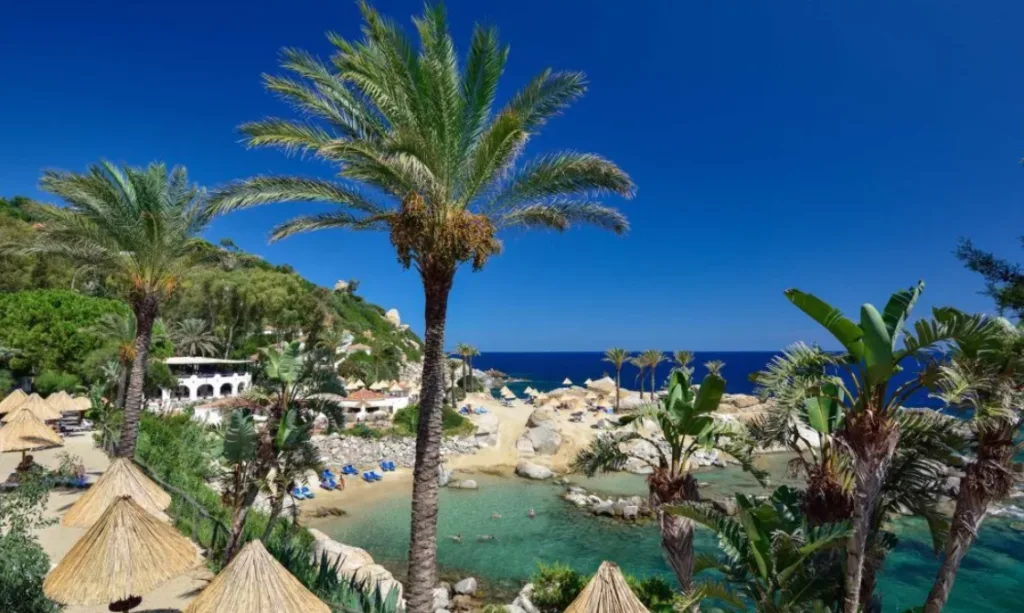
x,y
562,216
271,190
327,221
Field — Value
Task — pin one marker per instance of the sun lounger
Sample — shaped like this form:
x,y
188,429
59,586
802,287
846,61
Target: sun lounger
x,y
307,493
297,494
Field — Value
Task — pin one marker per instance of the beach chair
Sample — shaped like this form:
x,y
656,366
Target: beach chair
x,y
308,493
297,494
368,477
464,411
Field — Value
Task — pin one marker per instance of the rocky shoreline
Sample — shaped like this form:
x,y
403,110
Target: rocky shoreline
x,y
368,452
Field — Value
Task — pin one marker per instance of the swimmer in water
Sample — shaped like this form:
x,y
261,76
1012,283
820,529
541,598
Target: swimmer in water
x,y
485,537
532,513
495,515
457,538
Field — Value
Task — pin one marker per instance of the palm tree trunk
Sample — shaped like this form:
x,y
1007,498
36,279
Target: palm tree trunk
x,y
423,539
238,517
653,382
122,385
276,506
618,388
677,545
869,478
145,314
971,505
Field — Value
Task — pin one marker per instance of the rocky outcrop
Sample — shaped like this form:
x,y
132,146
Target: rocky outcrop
x,y
533,471
354,562
744,405
630,509
467,586
365,453
543,440
540,416
486,434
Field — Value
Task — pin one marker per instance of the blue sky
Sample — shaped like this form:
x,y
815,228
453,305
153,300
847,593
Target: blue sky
x,y
841,148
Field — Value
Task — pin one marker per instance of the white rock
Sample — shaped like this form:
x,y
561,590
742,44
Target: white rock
x,y
545,438
393,316
352,558
533,471
464,484
540,416
605,508
466,586
630,512
441,599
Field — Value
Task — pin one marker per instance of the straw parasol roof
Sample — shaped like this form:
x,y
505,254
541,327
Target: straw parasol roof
x,y
122,478
567,381
507,394
12,401
127,553
396,388
254,582
588,381
607,592
39,408
26,432
81,403
61,401
358,384
378,385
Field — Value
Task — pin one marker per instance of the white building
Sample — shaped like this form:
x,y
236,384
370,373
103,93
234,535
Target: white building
x,y
201,378
367,405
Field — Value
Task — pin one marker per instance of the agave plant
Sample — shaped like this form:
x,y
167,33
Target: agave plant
x,y
870,430
772,558
685,422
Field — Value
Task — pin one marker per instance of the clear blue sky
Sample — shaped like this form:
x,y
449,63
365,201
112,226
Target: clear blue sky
x,y
839,147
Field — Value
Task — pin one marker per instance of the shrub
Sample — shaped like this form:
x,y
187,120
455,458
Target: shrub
x,y
407,421
50,381
555,586
6,381
361,430
23,563
655,592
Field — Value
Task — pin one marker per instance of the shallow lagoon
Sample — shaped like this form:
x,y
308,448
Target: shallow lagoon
x,y
990,580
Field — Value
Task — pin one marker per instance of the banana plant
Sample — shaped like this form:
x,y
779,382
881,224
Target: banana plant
x,y
870,431
242,482
772,558
685,421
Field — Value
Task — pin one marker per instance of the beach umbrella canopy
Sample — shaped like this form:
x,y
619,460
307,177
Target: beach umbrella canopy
x,y
61,401
12,401
26,432
38,407
567,381
122,478
125,554
358,384
507,394
588,381
82,403
254,582
396,388
607,592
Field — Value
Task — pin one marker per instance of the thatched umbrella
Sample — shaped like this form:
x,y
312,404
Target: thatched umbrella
x,y
39,408
607,592
61,401
26,432
122,478
125,554
12,401
81,403
567,381
588,381
254,582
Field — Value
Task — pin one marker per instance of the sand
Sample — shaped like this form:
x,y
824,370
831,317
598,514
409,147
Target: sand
x,y
56,539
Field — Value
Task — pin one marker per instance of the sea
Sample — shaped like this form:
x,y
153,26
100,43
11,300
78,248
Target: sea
x,y
991,578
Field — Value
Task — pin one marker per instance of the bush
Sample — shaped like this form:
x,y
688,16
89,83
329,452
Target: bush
x,y
407,421
50,381
361,430
6,381
655,592
23,566
555,587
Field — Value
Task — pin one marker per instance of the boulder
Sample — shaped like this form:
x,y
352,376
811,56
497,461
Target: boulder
x,y
575,489
462,602
545,439
579,500
743,401
352,558
525,446
637,467
630,512
525,599
533,471
639,449
464,484
620,506
467,586
441,599
444,476
375,575
540,416
605,508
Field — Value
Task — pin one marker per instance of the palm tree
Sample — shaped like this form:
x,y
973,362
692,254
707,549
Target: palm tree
x,y
192,336
462,349
119,329
774,557
442,175
142,225
472,352
682,358
686,423
651,358
453,371
870,430
641,366
617,357
988,379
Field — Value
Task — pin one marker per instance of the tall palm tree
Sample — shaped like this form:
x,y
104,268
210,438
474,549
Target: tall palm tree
x,y
453,371
641,365
442,173
462,349
119,330
472,353
142,225
617,357
192,336
651,358
988,379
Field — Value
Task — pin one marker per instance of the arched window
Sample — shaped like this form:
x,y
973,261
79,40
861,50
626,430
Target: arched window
x,y
241,387
225,390
182,393
205,391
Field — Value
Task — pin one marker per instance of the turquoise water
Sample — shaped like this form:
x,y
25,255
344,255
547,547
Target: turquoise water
x,y
990,580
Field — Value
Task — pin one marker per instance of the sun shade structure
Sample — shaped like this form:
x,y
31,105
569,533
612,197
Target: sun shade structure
x,y
26,432
607,592
61,401
125,554
254,582
38,407
567,381
82,404
122,478
12,401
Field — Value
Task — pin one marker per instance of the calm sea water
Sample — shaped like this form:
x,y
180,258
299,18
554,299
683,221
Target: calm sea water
x,y
990,580
546,371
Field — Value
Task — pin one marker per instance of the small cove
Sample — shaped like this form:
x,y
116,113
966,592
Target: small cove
x,y
990,580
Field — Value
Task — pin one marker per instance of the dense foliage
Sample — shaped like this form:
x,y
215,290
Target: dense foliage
x,y
407,420
23,563
1004,280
